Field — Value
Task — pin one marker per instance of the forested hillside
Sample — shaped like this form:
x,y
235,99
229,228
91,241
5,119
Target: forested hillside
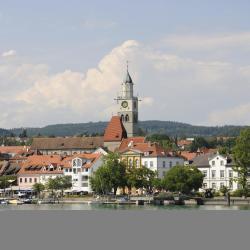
x,y
148,127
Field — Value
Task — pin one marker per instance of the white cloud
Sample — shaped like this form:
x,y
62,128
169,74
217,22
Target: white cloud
x,y
9,53
208,42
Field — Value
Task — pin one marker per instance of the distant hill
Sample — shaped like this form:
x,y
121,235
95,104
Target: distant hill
x,y
149,127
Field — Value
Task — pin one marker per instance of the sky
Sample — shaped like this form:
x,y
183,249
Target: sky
x,y
64,61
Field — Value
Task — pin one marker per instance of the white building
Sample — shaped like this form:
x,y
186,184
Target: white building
x,y
81,167
217,170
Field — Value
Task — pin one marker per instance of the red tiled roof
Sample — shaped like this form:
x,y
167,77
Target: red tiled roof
x,y
188,155
14,149
115,130
131,140
148,149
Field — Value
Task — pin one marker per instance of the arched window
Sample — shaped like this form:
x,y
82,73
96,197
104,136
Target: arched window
x,y
130,162
122,117
137,163
126,118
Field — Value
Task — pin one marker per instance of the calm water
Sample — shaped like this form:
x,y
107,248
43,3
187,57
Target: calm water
x,y
117,207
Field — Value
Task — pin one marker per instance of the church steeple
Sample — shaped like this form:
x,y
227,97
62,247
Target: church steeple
x,y
128,106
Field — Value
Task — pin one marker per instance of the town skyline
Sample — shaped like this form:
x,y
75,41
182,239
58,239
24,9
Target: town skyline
x,y
68,65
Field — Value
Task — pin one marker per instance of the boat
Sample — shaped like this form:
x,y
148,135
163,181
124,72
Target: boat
x,y
15,202
3,202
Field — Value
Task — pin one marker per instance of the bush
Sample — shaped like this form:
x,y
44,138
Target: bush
x,y
164,196
238,193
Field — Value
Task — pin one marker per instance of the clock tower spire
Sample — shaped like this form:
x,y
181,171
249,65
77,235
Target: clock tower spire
x,y
128,106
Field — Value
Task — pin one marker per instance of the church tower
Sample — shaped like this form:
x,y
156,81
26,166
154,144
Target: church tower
x,y
128,106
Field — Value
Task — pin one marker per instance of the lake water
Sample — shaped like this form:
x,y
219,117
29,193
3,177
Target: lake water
x,y
117,207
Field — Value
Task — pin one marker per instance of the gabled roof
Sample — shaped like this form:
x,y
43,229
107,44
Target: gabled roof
x,y
115,130
61,143
131,140
147,149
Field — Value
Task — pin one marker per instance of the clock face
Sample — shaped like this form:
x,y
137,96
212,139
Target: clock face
x,y
124,104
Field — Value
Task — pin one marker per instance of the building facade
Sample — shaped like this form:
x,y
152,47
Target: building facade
x,y
217,170
81,168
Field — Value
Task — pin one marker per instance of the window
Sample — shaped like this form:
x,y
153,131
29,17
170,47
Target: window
x,y
221,184
177,163
146,164
231,185
30,180
126,118
151,164
85,184
213,185
122,118
75,179
137,163
163,164
204,173
222,163
230,174
204,185
85,178
70,170
170,164
21,180
213,163
86,170
74,170
222,174
130,163
213,174
66,170
163,173
35,180
25,180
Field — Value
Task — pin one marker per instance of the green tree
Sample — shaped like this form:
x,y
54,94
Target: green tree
x,y
183,179
110,176
199,142
38,188
59,183
241,154
140,178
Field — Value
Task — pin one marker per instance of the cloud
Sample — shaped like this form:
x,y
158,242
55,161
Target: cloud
x,y
238,115
9,53
171,86
208,42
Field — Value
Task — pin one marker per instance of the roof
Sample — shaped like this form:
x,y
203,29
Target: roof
x,y
128,78
14,149
9,168
188,155
61,143
115,130
148,149
93,157
131,140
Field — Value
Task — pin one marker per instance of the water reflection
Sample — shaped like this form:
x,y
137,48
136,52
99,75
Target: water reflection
x,y
117,207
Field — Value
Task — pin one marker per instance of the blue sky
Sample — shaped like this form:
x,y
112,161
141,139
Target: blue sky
x,y
196,52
